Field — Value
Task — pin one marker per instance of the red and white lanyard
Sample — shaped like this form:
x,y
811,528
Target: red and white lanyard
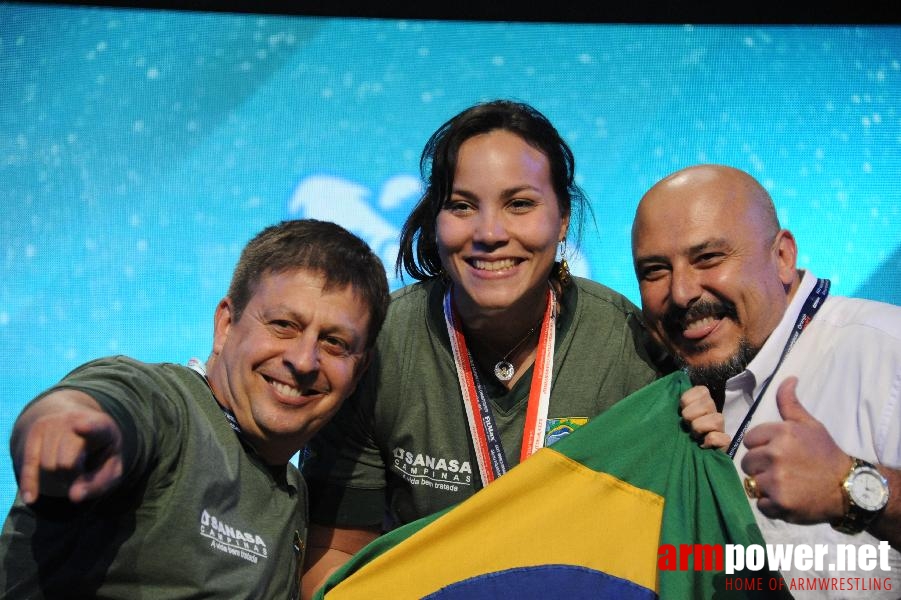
x,y
485,436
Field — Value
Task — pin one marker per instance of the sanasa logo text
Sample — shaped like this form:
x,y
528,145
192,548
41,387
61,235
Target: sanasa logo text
x,y
418,465
227,539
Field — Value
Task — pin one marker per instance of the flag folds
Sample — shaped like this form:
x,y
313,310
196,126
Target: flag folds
x,y
585,518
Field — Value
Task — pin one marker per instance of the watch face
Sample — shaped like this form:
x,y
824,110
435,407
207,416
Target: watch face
x,y
868,490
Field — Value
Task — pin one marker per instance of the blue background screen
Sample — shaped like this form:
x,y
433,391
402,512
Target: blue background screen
x,y
141,149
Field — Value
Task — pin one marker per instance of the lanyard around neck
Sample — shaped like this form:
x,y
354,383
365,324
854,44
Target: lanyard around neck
x,y
482,429
200,368
811,306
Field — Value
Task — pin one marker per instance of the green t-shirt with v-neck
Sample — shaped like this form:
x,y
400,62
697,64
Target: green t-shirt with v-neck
x,y
400,447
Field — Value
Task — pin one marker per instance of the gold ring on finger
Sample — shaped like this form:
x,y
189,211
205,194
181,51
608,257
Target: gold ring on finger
x,y
751,487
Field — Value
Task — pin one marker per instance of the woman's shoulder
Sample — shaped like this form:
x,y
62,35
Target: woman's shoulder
x,y
591,292
411,292
413,297
410,307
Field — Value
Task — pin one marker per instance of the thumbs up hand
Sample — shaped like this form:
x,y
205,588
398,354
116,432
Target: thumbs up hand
x,y
796,464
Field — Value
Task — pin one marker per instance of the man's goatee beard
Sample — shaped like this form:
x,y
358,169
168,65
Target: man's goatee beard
x,y
714,376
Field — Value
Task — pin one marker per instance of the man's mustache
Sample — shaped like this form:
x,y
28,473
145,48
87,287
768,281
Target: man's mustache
x,y
676,318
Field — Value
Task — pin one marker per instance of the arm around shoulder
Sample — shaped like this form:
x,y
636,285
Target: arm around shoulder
x,y
328,549
65,445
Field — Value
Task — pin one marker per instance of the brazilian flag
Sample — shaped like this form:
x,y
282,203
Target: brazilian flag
x,y
609,511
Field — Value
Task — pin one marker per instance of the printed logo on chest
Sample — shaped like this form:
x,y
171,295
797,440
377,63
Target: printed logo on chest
x,y
229,540
437,472
561,427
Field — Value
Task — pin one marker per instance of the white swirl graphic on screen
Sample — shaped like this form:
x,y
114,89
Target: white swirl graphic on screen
x,y
348,203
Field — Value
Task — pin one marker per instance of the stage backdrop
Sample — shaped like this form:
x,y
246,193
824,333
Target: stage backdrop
x,y
140,150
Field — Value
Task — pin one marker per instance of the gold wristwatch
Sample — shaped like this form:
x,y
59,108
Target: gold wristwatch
x,y
866,491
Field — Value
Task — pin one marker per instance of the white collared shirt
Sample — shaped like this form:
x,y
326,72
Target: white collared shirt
x,y
848,364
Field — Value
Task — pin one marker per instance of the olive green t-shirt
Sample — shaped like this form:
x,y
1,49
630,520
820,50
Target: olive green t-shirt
x,y
197,513
400,447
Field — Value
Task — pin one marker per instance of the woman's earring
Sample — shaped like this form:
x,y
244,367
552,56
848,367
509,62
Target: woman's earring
x,y
563,273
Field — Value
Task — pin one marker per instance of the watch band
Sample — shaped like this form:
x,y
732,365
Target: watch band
x,y
856,518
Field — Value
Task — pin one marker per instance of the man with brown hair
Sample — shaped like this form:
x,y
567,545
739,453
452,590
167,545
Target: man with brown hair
x,y
170,481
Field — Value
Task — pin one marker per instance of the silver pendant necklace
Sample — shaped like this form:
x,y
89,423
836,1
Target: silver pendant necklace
x,y
504,369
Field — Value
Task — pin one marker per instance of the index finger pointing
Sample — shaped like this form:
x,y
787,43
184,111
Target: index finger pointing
x,y
30,467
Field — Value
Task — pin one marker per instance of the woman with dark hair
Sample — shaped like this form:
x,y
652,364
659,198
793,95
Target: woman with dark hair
x,y
496,351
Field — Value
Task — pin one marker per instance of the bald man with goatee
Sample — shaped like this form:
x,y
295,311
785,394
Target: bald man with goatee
x,y
808,383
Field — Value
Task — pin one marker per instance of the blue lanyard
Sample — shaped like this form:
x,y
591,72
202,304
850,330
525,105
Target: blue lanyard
x,y
811,306
492,433
200,368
